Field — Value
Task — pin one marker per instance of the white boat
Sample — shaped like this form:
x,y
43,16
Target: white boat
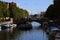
x,y
10,26
7,25
13,25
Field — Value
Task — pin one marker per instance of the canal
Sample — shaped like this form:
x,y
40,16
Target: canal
x,y
33,34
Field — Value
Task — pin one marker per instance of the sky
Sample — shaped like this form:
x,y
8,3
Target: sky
x,y
32,6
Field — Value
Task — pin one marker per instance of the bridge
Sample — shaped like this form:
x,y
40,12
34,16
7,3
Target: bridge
x,y
34,19
31,19
38,19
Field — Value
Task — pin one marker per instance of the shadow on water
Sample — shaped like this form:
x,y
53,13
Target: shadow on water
x,y
4,35
37,34
34,34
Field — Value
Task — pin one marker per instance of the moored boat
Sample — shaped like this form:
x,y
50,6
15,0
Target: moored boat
x,y
25,26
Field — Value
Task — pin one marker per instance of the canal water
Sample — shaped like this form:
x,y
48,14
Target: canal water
x,y
33,34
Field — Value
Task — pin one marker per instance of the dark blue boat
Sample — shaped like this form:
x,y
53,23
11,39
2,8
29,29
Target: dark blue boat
x,y
4,27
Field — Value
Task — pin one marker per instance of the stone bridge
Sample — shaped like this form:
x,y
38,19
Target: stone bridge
x,y
25,20
40,20
34,19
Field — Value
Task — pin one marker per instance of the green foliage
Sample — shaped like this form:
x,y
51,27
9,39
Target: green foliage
x,y
1,14
3,9
17,12
50,12
53,11
11,11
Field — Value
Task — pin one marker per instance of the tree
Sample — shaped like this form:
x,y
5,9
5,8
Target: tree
x,y
50,12
53,11
11,10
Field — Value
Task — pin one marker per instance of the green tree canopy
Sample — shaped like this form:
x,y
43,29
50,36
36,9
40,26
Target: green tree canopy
x,y
50,12
53,11
12,10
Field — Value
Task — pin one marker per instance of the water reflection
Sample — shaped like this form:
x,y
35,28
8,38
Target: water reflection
x,y
34,34
35,24
4,35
